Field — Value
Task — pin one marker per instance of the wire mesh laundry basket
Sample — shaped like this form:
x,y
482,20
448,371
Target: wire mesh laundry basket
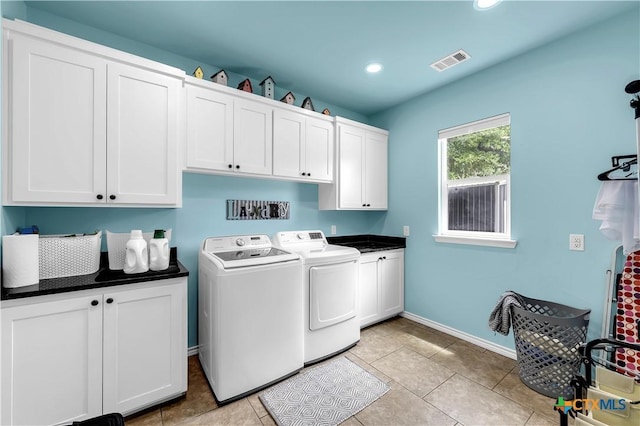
x,y
548,337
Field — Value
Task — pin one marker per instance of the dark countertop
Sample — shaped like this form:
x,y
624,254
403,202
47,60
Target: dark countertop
x,y
367,242
104,277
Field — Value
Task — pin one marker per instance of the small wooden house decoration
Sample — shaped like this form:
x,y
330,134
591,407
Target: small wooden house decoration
x,y
268,87
288,98
326,111
198,73
307,104
220,77
245,85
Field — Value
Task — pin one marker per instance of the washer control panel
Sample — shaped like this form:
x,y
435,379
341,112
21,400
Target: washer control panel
x,y
300,237
238,241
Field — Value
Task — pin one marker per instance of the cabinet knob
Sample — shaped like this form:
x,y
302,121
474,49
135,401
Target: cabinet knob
x,y
304,174
94,303
112,197
364,205
110,300
308,174
99,197
383,258
368,205
231,166
237,166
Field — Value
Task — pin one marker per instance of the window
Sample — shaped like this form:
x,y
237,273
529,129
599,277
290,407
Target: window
x,y
475,167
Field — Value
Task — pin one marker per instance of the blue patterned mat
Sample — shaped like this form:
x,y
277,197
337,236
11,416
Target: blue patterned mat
x,y
324,395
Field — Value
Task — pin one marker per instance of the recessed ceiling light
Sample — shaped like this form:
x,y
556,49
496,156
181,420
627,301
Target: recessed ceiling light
x,y
374,68
485,4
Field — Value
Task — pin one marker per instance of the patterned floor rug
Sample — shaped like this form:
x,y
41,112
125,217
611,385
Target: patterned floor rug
x,y
324,395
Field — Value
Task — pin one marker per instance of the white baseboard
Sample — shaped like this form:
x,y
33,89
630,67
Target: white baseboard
x,y
499,349
193,350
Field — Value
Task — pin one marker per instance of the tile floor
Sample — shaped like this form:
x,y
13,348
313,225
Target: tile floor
x,y
435,379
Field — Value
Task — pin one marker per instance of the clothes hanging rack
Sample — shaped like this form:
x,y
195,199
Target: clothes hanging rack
x,y
622,163
633,88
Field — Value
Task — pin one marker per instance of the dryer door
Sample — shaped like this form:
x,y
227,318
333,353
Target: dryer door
x,y
332,294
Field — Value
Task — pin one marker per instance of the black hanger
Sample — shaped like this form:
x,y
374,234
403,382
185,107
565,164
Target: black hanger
x,y
624,166
633,88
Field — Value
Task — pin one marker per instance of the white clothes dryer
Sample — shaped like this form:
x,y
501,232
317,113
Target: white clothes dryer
x,y
250,314
330,285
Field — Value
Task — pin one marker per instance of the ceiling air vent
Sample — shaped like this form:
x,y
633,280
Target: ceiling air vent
x,y
451,60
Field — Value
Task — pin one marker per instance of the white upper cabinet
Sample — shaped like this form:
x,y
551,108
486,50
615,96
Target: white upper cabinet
x,y
209,120
142,136
227,133
85,124
302,147
252,137
361,175
57,101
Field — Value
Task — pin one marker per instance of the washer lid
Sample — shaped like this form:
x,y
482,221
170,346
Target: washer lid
x,y
245,250
251,257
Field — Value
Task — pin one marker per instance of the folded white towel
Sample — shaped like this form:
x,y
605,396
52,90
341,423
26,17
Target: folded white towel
x,y
617,207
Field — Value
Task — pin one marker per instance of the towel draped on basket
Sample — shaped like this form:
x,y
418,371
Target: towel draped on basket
x,y
500,318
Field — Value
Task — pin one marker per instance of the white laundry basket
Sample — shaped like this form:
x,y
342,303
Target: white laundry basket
x,y
68,255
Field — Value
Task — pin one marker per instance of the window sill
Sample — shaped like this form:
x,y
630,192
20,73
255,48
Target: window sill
x,y
475,241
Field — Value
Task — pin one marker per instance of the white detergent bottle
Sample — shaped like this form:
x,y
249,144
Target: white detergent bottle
x,y
136,258
158,251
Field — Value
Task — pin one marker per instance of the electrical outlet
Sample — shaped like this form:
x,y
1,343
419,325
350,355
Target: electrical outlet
x,y
576,242
333,230
405,231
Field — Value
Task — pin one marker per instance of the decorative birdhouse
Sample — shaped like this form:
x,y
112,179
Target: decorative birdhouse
x,y
198,73
307,104
326,111
268,87
220,77
288,98
245,86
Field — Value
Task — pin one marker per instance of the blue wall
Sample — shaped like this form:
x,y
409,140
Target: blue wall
x,y
569,115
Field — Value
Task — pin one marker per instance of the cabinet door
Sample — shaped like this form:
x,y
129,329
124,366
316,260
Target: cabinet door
x,y
318,150
252,137
209,129
51,369
375,180
145,347
57,123
288,143
350,157
142,142
391,284
368,290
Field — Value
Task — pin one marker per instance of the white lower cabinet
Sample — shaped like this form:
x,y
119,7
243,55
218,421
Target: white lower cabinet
x,y
381,286
74,356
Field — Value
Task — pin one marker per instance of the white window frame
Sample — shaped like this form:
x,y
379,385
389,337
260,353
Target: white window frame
x,y
492,239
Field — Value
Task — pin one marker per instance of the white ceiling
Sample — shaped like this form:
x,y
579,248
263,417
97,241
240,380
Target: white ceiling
x,y
320,48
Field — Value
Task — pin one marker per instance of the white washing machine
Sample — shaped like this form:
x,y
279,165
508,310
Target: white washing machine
x,y
330,283
250,314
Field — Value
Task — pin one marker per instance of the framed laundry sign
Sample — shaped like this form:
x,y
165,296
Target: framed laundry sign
x,y
257,210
